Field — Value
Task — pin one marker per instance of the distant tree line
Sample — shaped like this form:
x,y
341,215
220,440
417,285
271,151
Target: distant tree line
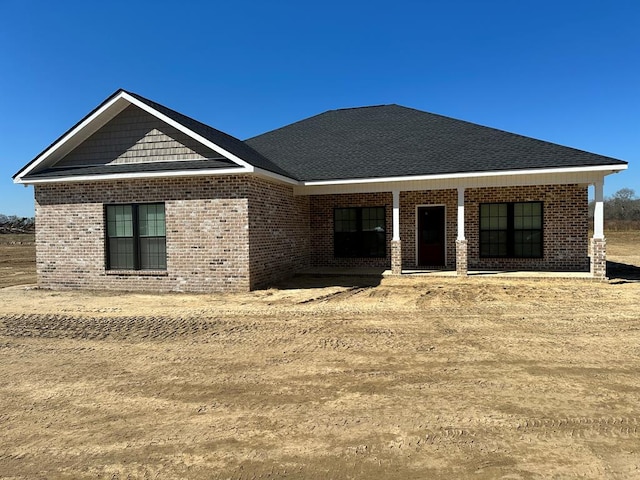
x,y
621,210
13,224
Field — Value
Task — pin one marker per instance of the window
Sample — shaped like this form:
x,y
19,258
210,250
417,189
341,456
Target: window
x,y
136,237
359,232
511,230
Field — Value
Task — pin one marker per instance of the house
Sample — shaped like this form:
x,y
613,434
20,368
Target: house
x,y
137,196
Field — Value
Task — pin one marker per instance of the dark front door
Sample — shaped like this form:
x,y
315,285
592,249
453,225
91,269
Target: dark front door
x,y
431,221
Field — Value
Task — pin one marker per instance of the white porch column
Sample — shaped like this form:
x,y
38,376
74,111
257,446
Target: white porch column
x,y
396,245
461,241
598,242
461,213
598,214
396,215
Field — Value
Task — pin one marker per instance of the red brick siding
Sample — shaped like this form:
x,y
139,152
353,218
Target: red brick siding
x,y
207,234
321,228
234,233
565,227
278,232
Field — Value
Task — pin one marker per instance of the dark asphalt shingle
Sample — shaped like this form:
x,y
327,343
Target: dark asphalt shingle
x,y
224,140
365,142
391,140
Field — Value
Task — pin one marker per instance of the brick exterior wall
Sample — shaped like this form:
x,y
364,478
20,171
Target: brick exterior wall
x,y
565,227
239,232
321,225
207,229
408,228
278,232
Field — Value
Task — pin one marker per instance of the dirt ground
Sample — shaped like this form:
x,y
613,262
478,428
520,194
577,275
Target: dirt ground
x,y
400,378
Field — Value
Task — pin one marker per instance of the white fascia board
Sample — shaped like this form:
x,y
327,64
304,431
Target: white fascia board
x,y
129,176
275,176
453,176
449,182
109,109
187,131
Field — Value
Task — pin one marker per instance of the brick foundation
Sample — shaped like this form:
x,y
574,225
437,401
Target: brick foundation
x,y
396,257
599,258
461,258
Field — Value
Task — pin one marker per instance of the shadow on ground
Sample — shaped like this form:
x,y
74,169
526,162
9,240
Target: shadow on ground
x,y
621,272
322,281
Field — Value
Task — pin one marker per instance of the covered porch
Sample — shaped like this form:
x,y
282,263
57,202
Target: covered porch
x,y
564,247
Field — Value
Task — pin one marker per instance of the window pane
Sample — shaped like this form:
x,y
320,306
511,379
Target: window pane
x,y
345,244
527,215
359,232
119,221
121,253
151,220
373,244
153,253
493,216
345,220
373,220
527,243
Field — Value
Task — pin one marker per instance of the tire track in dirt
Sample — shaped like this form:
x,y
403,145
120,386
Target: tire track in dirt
x,y
119,328
341,295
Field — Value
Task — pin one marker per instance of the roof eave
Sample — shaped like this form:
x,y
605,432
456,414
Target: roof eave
x,y
163,174
606,169
130,176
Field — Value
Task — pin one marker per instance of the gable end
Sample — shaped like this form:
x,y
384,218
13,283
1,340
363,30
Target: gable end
x,y
135,136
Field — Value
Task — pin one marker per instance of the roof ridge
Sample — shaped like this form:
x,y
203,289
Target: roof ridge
x,y
365,106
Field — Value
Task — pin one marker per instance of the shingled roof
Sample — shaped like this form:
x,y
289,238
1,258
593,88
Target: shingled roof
x,y
224,140
355,143
396,141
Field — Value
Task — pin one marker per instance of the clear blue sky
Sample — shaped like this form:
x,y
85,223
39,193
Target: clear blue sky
x,y
563,71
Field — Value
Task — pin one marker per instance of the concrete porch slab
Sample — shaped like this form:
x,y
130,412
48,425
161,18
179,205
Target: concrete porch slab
x,y
339,271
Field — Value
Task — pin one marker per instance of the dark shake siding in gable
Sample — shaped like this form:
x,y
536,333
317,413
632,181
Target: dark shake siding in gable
x,y
229,143
135,136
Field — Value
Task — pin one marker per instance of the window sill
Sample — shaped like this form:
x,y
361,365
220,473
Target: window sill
x,y
139,273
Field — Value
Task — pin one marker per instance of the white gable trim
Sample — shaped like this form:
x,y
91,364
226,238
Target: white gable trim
x,y
100,117
106,112
187,131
